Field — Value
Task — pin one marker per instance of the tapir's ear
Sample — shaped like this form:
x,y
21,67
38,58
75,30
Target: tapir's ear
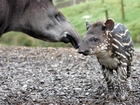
x,y
109,25
88,25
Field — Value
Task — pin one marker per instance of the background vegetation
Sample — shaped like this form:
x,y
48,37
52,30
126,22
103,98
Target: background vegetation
x,y
92,11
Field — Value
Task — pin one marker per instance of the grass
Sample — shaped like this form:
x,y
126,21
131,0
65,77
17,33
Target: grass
x,y
21,39
96,10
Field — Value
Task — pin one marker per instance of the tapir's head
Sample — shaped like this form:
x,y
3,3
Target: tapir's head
x,y
42,20
96,39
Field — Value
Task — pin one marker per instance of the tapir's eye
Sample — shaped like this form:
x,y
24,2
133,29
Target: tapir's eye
x,y
95,39
57,17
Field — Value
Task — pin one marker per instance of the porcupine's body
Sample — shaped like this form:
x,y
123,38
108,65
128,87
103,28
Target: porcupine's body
x,y
111,43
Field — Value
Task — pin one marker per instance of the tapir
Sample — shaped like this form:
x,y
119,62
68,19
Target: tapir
x,y
37,18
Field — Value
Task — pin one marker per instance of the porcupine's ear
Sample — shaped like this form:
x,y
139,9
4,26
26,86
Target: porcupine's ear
x,y
88,25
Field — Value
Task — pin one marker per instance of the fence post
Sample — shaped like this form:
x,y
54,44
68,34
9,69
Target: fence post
x,y
106,14
74,2
122,10
102,1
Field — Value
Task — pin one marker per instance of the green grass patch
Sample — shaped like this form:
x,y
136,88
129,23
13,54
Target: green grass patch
x,y
96,10
21,39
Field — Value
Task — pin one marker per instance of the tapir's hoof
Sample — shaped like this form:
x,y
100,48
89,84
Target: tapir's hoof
x,y
124,97
109,96
123,93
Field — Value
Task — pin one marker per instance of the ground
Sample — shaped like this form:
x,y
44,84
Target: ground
x,y
57,76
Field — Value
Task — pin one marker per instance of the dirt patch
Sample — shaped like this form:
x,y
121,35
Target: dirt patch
x,y
56,76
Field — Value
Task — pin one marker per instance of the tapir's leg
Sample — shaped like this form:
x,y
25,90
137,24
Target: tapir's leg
x,y
122,76
108,75
129,78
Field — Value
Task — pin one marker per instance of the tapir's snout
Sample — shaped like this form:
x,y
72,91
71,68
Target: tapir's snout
x,y
73,38
87,52
70,34
83,49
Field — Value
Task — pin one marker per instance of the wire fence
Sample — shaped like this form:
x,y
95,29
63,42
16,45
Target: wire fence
x,y
70,2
